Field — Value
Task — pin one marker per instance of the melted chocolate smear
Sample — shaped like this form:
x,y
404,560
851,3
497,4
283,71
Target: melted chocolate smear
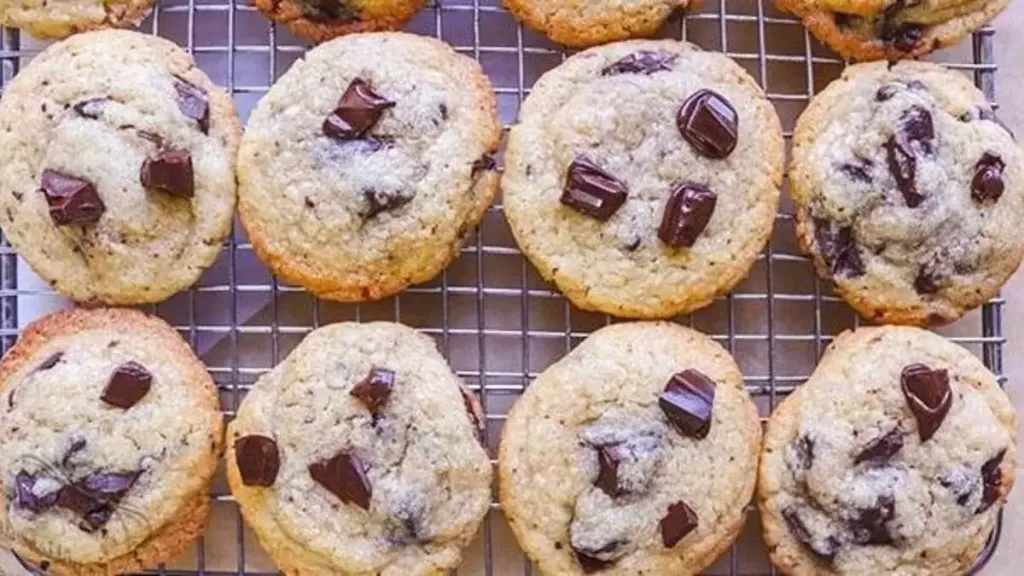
x,y
383,201
859,170
643,62
928,395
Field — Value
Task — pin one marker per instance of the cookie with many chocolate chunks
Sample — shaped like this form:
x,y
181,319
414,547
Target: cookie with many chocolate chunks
x,y
892,29
635,454
642,177
322,20
368,163
110,434
893,458
909,192
582,23
359,455
66,17
118,156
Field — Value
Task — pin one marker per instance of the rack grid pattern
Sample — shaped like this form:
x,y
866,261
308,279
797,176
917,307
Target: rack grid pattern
x,y
493,317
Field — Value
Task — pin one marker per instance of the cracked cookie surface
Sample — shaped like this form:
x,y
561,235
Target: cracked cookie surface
x,y
321,20
634,454
117,160
909,192
892,29
893,458
367,164
62,18
359,454
642,177
582,23
111,434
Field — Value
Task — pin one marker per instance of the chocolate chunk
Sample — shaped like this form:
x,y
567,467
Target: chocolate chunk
x,y
680,521
825,549
903,37
868,525
77,500
608,458
109,486
90,108
75,447
916,130
858,170
928,395
642,62
375,389
903,167
484,163
72,200
127,385
881,449
35,493
344,475
359,109
838,248
886,92
992,480
709,123
95,496
591,191
171,172
193,103
589,563
49,362
383,201
987,184
804,450
257,459
687,402
337,11
687,213
927,281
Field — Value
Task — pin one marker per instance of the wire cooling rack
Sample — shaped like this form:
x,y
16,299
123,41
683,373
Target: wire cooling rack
x,y
496,321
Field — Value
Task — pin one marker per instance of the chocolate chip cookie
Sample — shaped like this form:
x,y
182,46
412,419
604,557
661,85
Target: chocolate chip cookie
x,y
62,18
634,454
321,20
894,458
367,164
642,177
359,454
117,160
908,192
110,437
589,22
892,29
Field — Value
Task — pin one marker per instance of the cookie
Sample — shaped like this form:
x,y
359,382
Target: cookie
x,y
583,23
642,177
893,458
908,192
321,20
62,18
111,434
367,164
634,454
359,454
892,29
117,163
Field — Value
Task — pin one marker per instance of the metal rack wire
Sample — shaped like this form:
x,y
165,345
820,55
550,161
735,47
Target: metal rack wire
x,y
495,320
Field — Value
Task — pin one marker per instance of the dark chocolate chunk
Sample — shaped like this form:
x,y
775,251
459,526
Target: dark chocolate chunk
x,y
75,447
903,37
608,458
709,123
383,201
25,492
359,109
589,563
992,480
109,486
375,389
927,281
77,500
928,395
987,184
257,459
687,213
881,449
344,475
90,108
680,521
687,402
484,163
903,167
127,385
886,92
642,62
337,11
193,103
50,362
868,525
171,172
95,496
838,248
591,191
859,169
916,130
825,549
72,200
